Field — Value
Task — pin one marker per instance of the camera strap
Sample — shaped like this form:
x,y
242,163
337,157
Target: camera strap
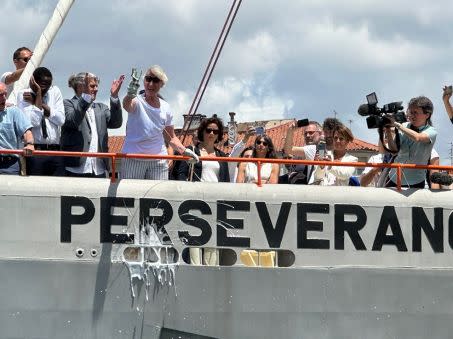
x,y
397,140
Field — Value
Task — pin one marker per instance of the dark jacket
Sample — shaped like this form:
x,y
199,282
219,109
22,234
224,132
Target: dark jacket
x,y
76,132
183,167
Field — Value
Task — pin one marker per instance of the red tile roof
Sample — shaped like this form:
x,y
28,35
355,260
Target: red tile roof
x,y
277,134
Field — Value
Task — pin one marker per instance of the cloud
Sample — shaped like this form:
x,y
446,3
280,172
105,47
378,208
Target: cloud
x,y
303,58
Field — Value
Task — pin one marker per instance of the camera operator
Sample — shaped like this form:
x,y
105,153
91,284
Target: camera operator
x,y
417,137
448,90
300,174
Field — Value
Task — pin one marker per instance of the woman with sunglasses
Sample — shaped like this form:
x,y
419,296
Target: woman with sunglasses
x,y
209,133
248,171
149,124
336,175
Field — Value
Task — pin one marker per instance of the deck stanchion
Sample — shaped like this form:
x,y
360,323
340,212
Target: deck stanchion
x,y
398,178
113,160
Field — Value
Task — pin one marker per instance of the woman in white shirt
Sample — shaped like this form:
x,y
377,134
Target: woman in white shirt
x,y
150,121
209,133
248,171
336,175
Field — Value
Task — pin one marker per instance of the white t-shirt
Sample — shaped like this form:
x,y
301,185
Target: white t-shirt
x,y
434,154
251,172
335,175
210,171
310,152
145,126
376,159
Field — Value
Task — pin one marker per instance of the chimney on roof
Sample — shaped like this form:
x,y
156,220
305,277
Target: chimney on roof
x,y
232,129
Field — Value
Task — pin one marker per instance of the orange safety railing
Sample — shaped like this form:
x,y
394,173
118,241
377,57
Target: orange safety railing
x,y
258,161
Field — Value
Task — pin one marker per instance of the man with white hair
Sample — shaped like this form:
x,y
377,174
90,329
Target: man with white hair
x,y
87,121
149,124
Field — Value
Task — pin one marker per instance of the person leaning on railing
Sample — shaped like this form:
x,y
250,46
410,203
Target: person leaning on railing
x,y
313,135
417,138
150,120
42,102
237,150
209,133
87,123
248,171
14,126
336,175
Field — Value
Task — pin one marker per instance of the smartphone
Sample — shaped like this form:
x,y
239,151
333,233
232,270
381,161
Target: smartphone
x,y
259,130
302,123
322,149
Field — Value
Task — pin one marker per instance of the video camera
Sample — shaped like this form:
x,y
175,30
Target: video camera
x,y
379,117
442,178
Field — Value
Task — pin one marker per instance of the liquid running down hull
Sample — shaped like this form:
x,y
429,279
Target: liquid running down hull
x,y
50,290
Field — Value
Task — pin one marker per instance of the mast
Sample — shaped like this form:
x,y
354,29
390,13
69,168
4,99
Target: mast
x,y
43,45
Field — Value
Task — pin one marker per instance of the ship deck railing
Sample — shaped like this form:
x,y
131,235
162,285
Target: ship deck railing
x,y
259,161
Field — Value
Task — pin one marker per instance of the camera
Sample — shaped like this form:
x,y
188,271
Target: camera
x,y
302,123
379,117
442,178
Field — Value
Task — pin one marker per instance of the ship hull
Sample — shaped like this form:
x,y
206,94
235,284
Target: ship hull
x,y
57,299
380,269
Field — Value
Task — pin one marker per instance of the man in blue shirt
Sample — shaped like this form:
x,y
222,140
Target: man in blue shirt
x,y
14,126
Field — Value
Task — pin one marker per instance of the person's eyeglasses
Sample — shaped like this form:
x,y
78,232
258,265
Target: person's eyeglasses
x,y
259,142
149,78
211,130
410,112
25,59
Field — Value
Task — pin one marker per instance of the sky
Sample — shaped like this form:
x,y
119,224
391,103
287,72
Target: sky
x,y
289,59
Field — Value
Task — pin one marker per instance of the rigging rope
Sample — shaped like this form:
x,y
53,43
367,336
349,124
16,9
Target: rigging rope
x,y
211,65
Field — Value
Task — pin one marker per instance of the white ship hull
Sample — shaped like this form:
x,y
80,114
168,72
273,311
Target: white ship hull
x,y
48,291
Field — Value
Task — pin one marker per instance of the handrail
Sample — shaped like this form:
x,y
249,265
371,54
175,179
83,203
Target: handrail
x,y
258,161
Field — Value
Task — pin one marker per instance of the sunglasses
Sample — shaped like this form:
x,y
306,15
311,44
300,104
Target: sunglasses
x,y
25,59
149,78
259,142
210,130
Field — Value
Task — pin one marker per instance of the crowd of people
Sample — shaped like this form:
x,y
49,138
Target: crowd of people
x,y
38,118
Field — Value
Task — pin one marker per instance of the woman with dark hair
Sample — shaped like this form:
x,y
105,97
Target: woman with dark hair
x,y
248,171
336,175
209,133
417,138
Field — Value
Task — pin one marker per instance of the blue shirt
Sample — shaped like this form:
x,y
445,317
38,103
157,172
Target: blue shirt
x,y
13,125
412,152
